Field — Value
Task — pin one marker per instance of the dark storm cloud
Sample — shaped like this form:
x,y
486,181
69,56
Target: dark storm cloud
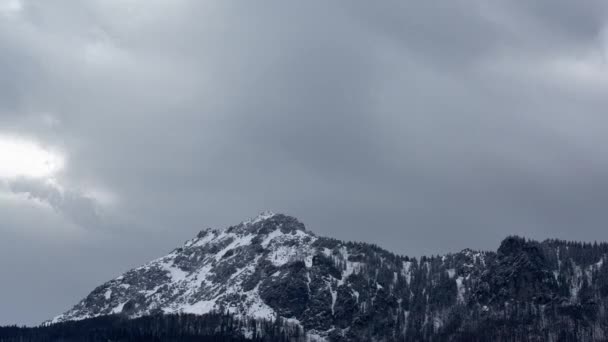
x,y
424,127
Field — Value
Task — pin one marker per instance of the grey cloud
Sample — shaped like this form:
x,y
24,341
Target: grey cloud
x,y
571,21
422,127
77,207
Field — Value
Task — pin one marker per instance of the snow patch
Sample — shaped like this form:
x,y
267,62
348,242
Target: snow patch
x,y
406,271
256,306
577,282
308,261
461,290
211,234
238,241
451,272
271,236
334,297
177,275
199,308
118,308
282,255
356,295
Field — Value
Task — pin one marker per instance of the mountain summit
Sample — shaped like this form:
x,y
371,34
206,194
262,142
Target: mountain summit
x,y
271,266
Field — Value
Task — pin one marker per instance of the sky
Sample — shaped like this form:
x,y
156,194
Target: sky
x,y
126,126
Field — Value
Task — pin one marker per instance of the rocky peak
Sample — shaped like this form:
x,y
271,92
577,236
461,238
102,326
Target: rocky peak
x,y
521,272
265,215
265,223
287,224
511,244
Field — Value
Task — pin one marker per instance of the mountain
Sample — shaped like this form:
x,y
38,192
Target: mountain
x,y
271,266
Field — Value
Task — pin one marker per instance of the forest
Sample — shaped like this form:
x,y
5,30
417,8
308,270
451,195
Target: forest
x,y
213,327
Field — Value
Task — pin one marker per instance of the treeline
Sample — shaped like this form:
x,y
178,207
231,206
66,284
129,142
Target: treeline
x,y
583,253
213,327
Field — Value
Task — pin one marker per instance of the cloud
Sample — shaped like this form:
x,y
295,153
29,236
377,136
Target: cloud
x,y
241,108
10,7
423,127
78,208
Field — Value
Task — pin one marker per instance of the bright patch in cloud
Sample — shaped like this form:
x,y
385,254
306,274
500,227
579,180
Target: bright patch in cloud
x,y
24,158
10,7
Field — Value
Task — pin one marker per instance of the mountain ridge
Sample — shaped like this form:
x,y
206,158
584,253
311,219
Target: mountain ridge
x,y
272,266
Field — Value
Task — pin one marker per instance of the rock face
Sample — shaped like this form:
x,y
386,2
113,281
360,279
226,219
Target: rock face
x,y
272,266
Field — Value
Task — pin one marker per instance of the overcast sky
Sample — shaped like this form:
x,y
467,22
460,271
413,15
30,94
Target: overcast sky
x,y
126,126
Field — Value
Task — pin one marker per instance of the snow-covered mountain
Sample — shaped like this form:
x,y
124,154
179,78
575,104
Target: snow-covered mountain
x,y
271,266
217,270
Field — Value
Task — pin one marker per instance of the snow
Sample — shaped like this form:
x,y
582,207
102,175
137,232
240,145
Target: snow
x,y
118,308
261,310
282,255
176,273
461,290
351,266
256,306
334,297
149,293
577,282
599,264
211,234
451,272
200,277
238,241
356,295
199,308
308,281
308,261
274,234
108,294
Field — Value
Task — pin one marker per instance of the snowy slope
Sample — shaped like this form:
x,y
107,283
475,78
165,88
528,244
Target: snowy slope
x,y
207,273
